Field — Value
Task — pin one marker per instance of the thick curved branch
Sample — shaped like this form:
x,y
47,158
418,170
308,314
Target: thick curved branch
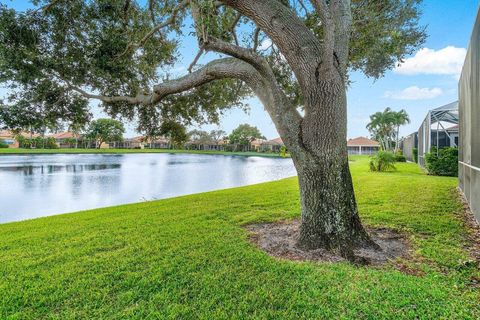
x,y
295,40
138,99
286,118
245,54
284,115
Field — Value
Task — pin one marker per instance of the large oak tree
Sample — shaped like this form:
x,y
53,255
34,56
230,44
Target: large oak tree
x,y
294,55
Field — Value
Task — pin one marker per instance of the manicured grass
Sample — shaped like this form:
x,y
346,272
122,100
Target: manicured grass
x,y
189,257
120,151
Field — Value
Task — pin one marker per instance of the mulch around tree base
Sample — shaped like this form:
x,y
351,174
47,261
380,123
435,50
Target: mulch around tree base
x,y
280,240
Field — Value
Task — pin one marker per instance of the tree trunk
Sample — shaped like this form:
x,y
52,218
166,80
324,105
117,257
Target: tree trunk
x,y
329,211
396,140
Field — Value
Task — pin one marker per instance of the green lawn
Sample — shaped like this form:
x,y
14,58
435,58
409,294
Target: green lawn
x,y
118,151
189,258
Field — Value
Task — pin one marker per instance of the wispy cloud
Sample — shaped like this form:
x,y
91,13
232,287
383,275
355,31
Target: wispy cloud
x,y
414,93
446,61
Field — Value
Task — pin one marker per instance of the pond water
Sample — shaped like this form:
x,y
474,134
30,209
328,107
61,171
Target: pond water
x,y
40,185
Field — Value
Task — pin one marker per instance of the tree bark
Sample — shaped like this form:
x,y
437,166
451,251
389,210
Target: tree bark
x,y
330,217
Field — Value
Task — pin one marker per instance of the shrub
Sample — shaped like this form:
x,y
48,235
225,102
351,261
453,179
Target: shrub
x,y
3,144
283,151
399,157
382,161
443,164
37,142
415,155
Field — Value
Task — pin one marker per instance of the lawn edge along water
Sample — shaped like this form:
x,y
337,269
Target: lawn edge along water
x,y
15,151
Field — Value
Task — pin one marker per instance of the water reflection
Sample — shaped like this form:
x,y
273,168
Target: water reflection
x,y
40,185
49,169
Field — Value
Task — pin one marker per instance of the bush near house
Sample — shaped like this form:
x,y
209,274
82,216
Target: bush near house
x,y
37,142
3,144
442,163
399,157
415,155
382,161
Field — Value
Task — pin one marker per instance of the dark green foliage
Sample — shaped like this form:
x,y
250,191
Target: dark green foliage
x,y
415,155
399,157
384,32
443,164
89,44
3,145
105,130
36,142
244,134
382,161
175,132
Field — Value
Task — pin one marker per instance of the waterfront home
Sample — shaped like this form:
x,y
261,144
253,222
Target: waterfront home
x,y
362,145
273,145
10,137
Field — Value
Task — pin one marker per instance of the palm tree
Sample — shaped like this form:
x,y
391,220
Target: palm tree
x,y
400,118
381,127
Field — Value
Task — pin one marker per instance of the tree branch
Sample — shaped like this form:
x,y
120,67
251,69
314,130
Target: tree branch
x,y
48,6
326,17
297,43
343,26
195,60
169,21
233,26
256,35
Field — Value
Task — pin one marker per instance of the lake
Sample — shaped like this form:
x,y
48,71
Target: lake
x,y
41,185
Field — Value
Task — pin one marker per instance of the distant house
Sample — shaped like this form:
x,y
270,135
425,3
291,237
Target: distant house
x,y
159,143
206,145
140,142
9,137
256,144
362,145
273,145
64,139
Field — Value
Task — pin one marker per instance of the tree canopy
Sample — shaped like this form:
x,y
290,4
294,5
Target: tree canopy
x,y
244,134
105,130
384,126
62,53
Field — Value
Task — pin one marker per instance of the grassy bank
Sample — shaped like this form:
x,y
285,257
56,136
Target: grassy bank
x,y
122,151
189,257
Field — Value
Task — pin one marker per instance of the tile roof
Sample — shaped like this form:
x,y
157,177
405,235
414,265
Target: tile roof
x,y
362,141
276,141
62,135
8,133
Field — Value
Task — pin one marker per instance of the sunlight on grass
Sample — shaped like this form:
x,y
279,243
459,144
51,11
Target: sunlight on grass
x,y
189,257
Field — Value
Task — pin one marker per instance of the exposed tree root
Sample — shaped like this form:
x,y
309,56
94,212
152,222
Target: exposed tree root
x,y
280,240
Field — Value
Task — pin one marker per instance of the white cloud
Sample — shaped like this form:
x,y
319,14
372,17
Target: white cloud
x,y
414,93
447,61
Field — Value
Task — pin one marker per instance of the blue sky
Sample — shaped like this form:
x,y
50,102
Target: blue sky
x,y
429,79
